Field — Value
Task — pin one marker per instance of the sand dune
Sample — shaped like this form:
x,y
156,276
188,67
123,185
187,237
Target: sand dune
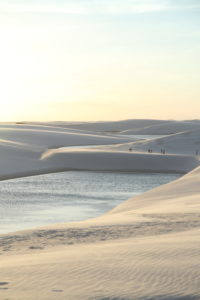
x,y
54,126
47,137
17,162
181,196
147,248
30,150
164,128
21,147
134,252
119,161
187,143
123,269
110,126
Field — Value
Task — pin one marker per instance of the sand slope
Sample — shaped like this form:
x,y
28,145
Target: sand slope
x,y
164,128
147,248
21,147
101,160
49,137
109,126
140,250
186,143
36,149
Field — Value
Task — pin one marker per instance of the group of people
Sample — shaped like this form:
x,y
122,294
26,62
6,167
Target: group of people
x,y
161,150
150,150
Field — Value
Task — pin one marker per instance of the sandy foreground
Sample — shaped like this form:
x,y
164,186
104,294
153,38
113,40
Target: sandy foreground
x,y
146,248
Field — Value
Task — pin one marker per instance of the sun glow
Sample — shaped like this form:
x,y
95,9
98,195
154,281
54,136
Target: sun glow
x,y
80,63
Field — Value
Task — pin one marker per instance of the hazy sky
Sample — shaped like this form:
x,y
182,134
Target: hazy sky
x,y
99,59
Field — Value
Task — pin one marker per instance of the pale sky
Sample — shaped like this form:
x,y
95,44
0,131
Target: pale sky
x,y
99,59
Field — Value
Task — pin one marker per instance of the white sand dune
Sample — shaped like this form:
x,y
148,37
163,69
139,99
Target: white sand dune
x,y
91,159
21,147
147,248
25,151
140,250
181,196
17,162
164,128
47,137
110,126
186,143
54,126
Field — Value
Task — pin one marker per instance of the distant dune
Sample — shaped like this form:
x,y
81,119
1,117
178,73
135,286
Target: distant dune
x,y
164,128
110,126
26,150
43,136
185,143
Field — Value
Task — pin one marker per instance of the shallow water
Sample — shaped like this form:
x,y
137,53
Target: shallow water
x,y
68,196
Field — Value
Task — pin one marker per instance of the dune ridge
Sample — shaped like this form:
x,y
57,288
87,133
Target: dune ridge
x,y
30,150
164,128
181,143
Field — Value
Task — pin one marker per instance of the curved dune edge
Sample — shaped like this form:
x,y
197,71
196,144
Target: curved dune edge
x,y
146,248
27,150
60,160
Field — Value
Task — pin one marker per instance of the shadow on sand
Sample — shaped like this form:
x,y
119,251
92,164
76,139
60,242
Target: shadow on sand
x,y
169,297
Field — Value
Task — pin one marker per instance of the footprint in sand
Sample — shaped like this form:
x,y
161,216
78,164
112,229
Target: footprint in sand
x,y
3,285
36,248
57,291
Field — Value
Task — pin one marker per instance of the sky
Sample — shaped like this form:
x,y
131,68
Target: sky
x,y
89,60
